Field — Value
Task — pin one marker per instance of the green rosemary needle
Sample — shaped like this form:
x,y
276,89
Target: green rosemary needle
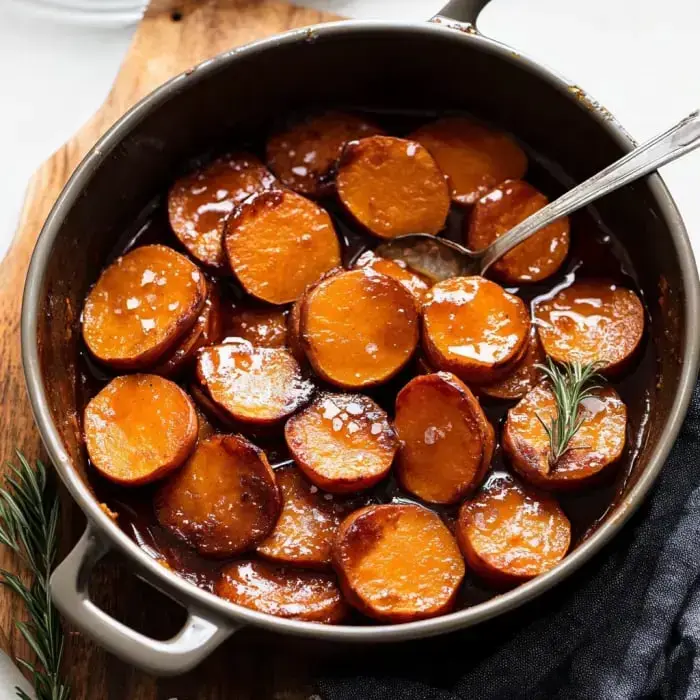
x,y
571,383
29,516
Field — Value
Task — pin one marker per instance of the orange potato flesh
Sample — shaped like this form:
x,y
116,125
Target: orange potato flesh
x,y
509,534
276,590
397,563
474,157
262,328
417,284
502,209
525,374
474,328
342,442
358,328
141,305
206,330
252,385
392,187
307,525
441,458
598,443
223,501
199,203
304,156
294,341
139,428
277,243
591,321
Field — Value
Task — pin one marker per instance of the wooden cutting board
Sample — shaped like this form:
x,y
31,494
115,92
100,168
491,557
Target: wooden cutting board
x,y
172,37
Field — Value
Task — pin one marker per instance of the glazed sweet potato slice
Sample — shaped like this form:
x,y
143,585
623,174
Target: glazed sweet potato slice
x,y
510,534
279,242
252,385
208,329
416,283
591,321
441,428
223,501
597,444
139,428
502,209
358,328
310,596
307,525
199,203
474,157
141,305
304,155
392,187
262,327
474,328
397,563
524,376
342,442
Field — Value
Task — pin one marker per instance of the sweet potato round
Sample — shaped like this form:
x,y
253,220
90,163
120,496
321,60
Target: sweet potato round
x,y
139,428
252,385
417,284
304,155
392,187
397,563
502,209
441,459
224,500
474,157
598,443
277,243
524,375
310,596
358,328
510,534
141,305
342,442
206,331
591,321
307,525
261,327
199,203
474,328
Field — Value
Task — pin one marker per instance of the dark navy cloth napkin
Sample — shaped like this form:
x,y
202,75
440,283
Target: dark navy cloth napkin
x,y
626,626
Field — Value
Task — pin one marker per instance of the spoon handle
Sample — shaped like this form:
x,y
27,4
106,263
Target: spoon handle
x,y
678,140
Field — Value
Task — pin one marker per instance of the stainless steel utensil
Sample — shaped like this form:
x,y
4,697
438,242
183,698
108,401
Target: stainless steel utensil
x,y
439,258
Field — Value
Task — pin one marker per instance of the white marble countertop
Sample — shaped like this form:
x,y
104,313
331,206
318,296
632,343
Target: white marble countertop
x,y
637,59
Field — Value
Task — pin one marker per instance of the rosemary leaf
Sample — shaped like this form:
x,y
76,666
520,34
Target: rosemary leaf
x,y
29,517
571,384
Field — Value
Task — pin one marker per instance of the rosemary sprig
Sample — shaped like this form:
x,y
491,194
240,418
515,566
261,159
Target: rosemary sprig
x,y
571,383
29,515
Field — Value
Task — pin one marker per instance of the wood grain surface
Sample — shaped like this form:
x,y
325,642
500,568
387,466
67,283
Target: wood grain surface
x,y
172,37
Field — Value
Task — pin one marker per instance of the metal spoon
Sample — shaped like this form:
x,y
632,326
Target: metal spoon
x,y
439,258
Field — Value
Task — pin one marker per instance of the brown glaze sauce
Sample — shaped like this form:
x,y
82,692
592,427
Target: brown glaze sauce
x,y
595,252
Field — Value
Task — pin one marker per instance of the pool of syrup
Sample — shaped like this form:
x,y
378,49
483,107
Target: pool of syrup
x,y
594,252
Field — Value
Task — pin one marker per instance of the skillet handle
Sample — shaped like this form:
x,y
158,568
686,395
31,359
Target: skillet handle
x,y
69,589
462,11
